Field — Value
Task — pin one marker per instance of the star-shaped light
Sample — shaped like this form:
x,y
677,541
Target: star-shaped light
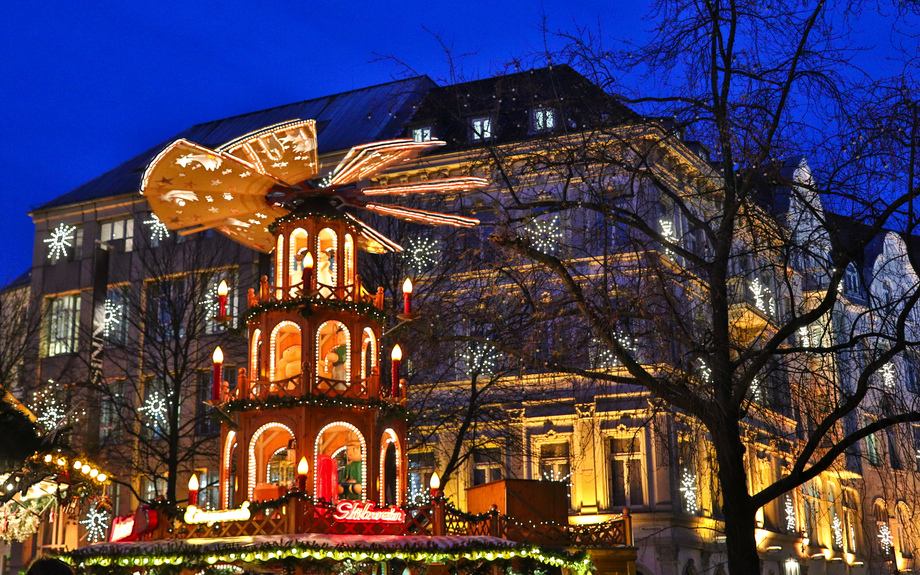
x,y
60,241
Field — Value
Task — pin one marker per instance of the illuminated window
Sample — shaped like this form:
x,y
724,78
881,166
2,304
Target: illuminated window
x,y
422,134
110,415
487,466
208,489
118,233
61,325
152,488
481,129
554,464
872,450
626,484
544,119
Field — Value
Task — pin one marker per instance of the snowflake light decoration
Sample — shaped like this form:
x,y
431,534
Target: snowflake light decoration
x,y
705,372
688,488
790,514
155,407
113,316
421,253
544,235
762,298
888,375
837,525
49,412
60,241
158,230
96,523
804,340
756,391
211,305
606,358
885,538
481,359
667,232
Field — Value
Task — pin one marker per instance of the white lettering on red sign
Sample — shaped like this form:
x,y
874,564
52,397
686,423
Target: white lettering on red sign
x,y
367,512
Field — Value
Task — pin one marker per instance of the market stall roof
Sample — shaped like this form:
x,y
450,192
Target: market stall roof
x,y
320,546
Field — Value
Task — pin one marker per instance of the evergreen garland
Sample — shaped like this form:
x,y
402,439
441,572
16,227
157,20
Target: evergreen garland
x,y
388,410
302,215
304,305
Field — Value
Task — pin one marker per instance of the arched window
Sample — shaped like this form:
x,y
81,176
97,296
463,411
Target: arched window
x,y
340,470
299,247
368,352
390,457
254,364
349,254
265,443
285,350
333,351
326,264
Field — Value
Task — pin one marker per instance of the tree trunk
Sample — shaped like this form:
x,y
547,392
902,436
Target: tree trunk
x,y
740,516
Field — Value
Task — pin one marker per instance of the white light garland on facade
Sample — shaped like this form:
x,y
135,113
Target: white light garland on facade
x,y
762,298
689,490
606,358
96,524
228,456
49,412
885,538
158,230
790,514
544,235
61,241
156,407
421,254
837,526
667,232
113,316
389,437
480,358
888,375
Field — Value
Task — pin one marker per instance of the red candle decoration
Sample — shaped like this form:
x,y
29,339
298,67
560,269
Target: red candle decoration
x,y
407,296
308,271
434,484
396,357
302,468
193,489
218,358
222,299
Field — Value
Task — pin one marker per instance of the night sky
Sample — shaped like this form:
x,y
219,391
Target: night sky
x,y
85,86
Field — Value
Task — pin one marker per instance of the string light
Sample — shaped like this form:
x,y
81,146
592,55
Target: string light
x,y
480,359
60,241
156,407
888,375
667,232
317,447
689,489
762,298
421,254
252,450
544,235
790,514
96,523
885,538
158,230
838,531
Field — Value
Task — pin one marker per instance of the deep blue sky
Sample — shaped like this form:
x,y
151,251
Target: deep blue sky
x,y
85,86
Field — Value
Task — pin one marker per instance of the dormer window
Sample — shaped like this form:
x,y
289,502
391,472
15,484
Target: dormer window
x,y
544,119
480,129
422,134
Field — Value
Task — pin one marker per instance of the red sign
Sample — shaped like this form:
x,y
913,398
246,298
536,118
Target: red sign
x,y
367,512
122,529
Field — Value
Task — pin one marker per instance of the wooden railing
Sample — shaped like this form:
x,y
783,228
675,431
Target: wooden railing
x,y
269,292
303,384
303,515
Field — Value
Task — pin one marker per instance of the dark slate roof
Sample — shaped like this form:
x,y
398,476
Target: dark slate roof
x,y
509,101
24,279
343,120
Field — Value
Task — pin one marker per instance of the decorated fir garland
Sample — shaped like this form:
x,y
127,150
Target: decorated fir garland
x,y
425,550
303,306
387,409
303,215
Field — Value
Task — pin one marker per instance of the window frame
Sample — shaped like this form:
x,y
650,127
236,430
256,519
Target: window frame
x,y
481,128
51,345
540,125
636,454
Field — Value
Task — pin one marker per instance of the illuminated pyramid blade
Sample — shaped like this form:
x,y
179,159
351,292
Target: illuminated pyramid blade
x,y
419,216
442,185
367,159
286,151
370,240
192,188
